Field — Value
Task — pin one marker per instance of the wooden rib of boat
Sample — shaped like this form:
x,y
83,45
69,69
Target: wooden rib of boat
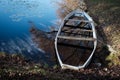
x,y
76,40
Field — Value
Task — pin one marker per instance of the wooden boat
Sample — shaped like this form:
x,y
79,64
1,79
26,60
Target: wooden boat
x,y
76,40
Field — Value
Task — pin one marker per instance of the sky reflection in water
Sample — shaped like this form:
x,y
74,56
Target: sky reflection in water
x,y
14,27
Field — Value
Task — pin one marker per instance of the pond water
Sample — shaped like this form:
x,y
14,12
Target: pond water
x,y
14,27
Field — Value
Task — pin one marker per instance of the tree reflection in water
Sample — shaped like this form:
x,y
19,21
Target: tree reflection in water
x,y
45,40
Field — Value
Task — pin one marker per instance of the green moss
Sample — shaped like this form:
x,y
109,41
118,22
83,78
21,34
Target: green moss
x,y
107,12
55,66
2,54
113,58
46,65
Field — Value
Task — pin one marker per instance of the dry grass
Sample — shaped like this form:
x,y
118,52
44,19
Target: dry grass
x,y
107,13
66,6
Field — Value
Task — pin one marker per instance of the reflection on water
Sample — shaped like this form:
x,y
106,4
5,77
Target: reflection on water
x,y
64,7
23,46
20,9
14,25
14,22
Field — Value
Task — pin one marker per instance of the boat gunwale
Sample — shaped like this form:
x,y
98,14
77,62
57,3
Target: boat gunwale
x,y
67,66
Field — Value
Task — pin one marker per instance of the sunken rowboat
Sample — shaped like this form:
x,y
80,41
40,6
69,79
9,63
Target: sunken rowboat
x,y
76,40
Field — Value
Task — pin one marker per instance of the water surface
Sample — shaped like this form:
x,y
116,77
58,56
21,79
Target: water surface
x,y
14,27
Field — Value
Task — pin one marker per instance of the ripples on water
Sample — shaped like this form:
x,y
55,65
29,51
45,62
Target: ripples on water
x,y
26,47
25,8
19,45
15,15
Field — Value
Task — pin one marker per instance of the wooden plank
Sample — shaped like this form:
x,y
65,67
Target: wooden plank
x,y
79,20
77,30
76,33
85,30
74,46
76,38
77,27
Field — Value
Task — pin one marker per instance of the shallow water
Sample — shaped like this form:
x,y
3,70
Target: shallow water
x,y
14,27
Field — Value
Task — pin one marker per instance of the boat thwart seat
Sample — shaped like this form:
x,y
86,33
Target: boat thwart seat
x,y
77,38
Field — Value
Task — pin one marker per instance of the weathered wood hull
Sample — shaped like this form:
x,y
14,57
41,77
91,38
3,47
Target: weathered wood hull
x,y
76,41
